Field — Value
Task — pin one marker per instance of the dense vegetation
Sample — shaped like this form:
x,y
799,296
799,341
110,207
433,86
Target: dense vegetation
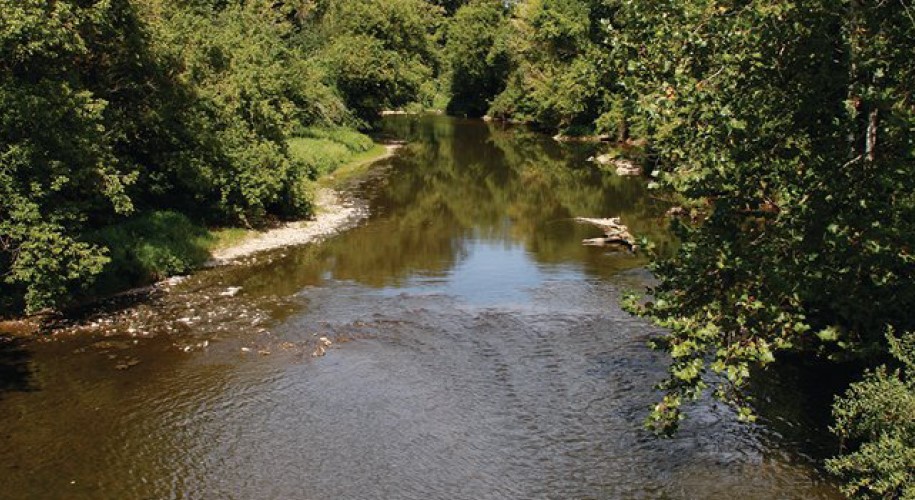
x,y
784,129
127,112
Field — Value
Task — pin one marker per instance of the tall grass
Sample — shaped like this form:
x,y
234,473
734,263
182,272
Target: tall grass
x,y
321,151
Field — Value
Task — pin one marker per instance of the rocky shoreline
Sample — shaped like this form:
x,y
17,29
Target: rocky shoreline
x,y
335,213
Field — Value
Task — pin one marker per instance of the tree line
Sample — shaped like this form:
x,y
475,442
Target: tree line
x,y
121,119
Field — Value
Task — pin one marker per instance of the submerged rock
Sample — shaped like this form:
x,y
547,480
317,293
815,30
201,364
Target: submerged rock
x,y
231,291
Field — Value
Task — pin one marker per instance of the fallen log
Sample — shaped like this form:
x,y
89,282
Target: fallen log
x,y
616,233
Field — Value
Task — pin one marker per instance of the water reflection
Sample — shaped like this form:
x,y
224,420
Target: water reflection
x,y
478,352
458,183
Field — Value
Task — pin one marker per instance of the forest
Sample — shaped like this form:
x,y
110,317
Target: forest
x,y
782,131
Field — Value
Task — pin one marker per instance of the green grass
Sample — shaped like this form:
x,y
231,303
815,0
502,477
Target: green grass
x,y
222,238
356,166
149,247
334,155
351,139
320,156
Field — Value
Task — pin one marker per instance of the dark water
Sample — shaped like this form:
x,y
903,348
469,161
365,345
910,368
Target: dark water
x,y
478,352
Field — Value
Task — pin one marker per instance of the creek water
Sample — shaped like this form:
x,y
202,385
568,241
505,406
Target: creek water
x,y
479,351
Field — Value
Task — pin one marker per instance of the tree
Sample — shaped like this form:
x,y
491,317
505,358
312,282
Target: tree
x,y
556,82
114,109
58,161
802,232
477,55
380,54
878,414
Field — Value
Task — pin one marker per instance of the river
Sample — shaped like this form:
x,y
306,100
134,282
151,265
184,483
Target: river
x,y
478,351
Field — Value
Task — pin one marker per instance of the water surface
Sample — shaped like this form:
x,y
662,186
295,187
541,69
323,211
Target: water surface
x,y
478,352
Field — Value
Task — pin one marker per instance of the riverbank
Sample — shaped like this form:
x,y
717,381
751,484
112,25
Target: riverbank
x,y
335,211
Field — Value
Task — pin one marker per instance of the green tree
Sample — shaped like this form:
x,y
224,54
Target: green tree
x,y
380,54
757,115
58,160
556,82
253,90
112,108
477,55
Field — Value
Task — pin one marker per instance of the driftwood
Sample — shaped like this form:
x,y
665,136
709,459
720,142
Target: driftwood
x,y
616,233
622,165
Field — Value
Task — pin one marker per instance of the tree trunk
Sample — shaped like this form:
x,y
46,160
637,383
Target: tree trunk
x,y
872,124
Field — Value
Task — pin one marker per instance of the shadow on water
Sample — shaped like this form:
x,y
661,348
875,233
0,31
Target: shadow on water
x,y
794,399
15,371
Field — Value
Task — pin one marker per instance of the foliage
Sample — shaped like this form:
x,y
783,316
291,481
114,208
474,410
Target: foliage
x,y
802,236
379,53
252,90
148,248
555,82
879,412
110,108
58,163
477,56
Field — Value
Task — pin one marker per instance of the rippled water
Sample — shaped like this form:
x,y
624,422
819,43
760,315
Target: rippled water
x,y
478,352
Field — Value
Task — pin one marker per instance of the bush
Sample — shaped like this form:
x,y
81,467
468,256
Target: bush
x,y
148,248
878,415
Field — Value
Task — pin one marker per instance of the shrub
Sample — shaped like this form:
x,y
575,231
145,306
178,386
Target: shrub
x,y
878,415
148,248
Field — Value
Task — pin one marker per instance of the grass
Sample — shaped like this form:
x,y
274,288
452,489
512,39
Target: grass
x,y
322,151
222,238
147,248
356,166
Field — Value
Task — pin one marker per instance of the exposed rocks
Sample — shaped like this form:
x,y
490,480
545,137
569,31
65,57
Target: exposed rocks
x,y
676,212
581,138
231,291
335,214
321,349
20,327
627,167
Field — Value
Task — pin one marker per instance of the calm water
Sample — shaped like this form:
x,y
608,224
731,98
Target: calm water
x,y
479,352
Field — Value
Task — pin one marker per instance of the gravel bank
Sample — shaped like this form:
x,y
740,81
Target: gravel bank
x,y
336,212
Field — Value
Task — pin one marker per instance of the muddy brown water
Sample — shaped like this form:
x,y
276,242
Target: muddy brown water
x,y
478,352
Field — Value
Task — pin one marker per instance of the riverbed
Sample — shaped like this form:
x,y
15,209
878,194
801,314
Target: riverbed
x,y
459,343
